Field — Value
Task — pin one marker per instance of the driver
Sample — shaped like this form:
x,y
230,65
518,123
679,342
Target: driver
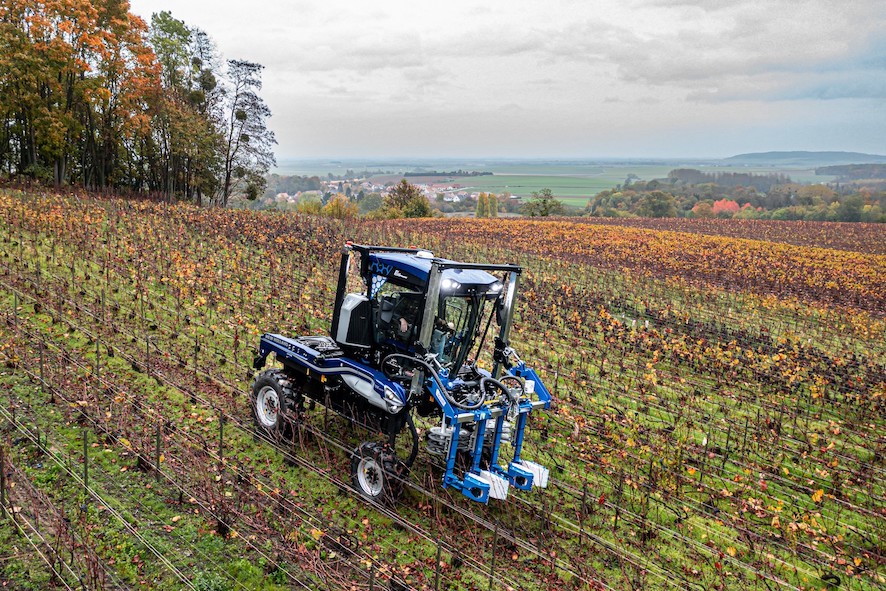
x,y
408,311
438,338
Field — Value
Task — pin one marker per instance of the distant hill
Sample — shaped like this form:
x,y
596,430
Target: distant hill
x,y
805,158
854,172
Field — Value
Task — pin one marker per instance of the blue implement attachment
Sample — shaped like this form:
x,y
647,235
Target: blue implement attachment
x,y
477,484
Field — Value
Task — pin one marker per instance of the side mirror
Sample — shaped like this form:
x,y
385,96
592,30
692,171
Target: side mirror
x,y
499,355
499,311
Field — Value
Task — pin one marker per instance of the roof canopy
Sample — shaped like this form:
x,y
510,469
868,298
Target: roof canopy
x,y
414,269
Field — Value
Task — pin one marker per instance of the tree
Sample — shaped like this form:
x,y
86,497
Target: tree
x,y
370,202
248,142
170,39
482,210
89,94
340,207
850,209
74,79
543,204
309,205
657,204
186,141
407,200
725,208
703,209
487,206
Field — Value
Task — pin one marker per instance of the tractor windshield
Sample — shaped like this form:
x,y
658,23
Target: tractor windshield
x,y
456,328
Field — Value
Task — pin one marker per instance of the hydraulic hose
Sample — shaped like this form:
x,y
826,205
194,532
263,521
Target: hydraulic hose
x,y
433,373
512,400
414,432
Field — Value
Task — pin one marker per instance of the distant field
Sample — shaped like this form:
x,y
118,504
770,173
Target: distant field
x,y
574,188
562,186
573,182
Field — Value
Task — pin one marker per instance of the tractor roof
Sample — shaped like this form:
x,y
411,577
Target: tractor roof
x,y
414,268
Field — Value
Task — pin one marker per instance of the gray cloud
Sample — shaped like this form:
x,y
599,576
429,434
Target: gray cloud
x,y
560,77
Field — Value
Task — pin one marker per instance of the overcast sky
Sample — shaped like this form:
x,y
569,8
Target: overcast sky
x,y
608,78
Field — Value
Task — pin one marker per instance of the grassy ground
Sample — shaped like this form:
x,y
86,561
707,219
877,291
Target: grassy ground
x,y
703,436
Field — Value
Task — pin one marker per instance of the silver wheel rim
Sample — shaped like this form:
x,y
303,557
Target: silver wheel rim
x,y
267,406
370,477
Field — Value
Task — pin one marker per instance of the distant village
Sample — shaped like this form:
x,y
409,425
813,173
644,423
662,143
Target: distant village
x,y
356,188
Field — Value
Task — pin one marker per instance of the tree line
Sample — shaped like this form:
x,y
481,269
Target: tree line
x,y
688,193
760,182
92,95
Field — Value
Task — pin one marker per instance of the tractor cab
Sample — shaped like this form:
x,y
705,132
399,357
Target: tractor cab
x,y
413,302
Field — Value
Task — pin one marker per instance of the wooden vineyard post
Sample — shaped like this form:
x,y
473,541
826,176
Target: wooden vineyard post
x,y
726,447
221,440
42,380
494,548
157,451
757,428
704,459
85,463
196,350
436,565
3,480
619,488
780,416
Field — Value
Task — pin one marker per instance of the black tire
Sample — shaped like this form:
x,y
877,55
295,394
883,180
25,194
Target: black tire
x,y
376,473
275,406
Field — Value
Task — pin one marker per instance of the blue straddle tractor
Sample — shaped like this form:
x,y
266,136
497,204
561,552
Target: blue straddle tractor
x,y
411,342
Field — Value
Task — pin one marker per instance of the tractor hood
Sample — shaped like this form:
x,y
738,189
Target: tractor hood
x,y
414,270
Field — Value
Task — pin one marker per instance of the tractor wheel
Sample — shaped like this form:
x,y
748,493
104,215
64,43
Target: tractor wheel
x,y
275,405
376,473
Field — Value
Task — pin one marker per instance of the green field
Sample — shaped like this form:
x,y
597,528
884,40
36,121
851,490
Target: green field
x,y
572,181
578,188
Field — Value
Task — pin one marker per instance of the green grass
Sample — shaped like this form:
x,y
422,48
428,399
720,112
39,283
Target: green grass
x,y
618,410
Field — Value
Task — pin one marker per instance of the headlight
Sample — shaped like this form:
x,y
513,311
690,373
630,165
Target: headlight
x,y
449,284
392,400
496,286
